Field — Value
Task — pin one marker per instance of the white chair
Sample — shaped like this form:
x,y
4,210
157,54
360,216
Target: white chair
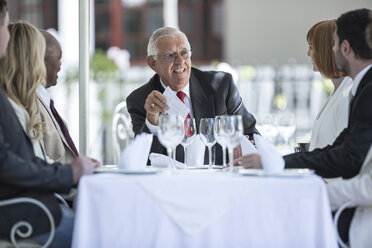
x,y
25,242
337,216
121,129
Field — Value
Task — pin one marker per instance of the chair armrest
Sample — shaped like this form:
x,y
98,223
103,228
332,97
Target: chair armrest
x,y
28,232
337,216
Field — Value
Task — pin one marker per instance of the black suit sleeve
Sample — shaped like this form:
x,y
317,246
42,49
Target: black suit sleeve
x,y
135,105
35,175
346,155
236,106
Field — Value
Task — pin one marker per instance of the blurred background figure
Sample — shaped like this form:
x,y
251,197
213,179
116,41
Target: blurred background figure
x,y
333,116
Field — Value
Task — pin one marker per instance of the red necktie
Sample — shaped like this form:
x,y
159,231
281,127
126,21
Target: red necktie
x,y
181,95
63,127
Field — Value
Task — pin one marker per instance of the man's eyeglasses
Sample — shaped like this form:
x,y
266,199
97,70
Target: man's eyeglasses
x,y
171,57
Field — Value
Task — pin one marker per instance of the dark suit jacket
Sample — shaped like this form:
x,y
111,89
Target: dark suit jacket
x,y
212,94
24,175
345,156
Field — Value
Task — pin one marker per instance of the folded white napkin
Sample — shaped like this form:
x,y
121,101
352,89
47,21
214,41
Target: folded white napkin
x,y
272,160
161,160
195,152
247,146
134,156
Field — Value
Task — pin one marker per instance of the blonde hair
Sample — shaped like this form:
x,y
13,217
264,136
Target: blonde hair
x,y
320,38
23,69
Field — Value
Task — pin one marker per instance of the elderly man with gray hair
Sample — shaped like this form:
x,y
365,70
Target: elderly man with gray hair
x,y
206,93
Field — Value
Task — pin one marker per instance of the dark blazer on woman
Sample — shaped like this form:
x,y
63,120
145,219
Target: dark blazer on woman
x,y
24,175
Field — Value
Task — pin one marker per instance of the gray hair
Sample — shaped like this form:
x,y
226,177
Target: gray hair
x,y
152,48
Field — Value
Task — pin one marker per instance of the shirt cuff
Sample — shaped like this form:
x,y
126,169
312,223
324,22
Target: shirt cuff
x,y
153,129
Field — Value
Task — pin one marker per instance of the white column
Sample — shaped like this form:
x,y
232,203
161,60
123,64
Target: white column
x,y
68,19
170,13
84,30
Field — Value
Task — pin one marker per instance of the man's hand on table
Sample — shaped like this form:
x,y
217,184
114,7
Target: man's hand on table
x,y
83,165
251,161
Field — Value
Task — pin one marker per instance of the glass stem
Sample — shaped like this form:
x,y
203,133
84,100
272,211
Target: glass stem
x,y
170,154
231,159
174,153
224,156
185,155
210,156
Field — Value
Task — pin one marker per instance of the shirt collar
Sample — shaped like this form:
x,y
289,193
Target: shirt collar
x,y
358,78
43,94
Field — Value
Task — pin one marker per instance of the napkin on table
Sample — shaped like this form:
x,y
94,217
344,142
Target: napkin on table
x,y
247,146
161,160
272,160
195,152
134,156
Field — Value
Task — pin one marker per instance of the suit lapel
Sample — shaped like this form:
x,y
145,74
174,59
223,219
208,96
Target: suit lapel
x,y
365,80
202,103
157,84
60,133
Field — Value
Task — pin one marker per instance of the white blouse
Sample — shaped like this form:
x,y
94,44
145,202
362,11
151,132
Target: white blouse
x,y
333,116
24,119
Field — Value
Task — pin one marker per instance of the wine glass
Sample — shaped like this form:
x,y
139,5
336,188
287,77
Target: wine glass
x,y
219,138
207,135
230,132
286,126
267,126
190,133
171,132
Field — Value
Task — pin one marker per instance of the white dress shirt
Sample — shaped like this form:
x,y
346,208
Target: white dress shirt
x,y
44,95
358,78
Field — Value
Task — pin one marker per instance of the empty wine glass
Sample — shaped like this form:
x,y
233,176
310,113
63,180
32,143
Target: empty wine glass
x,y
219,138
207,135
286,126
171,132
267,126
230,131
190,133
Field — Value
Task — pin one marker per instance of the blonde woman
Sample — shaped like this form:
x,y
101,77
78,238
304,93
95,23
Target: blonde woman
x,y
22,70
333,116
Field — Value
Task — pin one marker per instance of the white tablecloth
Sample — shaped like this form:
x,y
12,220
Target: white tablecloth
x,y
208,209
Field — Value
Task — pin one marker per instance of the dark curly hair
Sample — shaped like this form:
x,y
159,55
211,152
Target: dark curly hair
x,y
351,26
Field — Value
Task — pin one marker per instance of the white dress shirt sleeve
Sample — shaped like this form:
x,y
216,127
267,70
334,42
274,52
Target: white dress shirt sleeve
x,y
153,129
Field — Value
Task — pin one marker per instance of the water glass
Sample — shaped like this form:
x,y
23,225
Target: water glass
x,y
171,132
219,138
207,135
229,130
190,133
